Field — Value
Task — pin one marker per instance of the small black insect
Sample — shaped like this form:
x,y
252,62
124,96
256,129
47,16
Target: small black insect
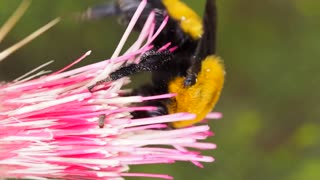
x,y
101,120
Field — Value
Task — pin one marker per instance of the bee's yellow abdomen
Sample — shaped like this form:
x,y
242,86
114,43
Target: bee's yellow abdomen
x,y
200,98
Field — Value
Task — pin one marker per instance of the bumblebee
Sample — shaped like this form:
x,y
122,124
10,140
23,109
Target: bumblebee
x,y
193,72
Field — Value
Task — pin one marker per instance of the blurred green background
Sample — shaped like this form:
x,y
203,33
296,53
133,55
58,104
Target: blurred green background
x,y
270,102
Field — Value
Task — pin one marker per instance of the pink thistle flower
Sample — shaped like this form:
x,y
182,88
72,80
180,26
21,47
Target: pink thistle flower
x,y
53,127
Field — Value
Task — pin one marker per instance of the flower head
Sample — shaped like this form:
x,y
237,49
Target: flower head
x,y
53,127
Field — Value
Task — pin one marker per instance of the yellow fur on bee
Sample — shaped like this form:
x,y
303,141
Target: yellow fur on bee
x,y
200,98
189,21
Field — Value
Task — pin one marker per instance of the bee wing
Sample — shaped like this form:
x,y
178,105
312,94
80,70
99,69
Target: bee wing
x,y
115,8
101,11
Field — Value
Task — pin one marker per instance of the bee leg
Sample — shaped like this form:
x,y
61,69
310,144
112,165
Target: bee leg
x,y
206,45
161,110
149,90
150,61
